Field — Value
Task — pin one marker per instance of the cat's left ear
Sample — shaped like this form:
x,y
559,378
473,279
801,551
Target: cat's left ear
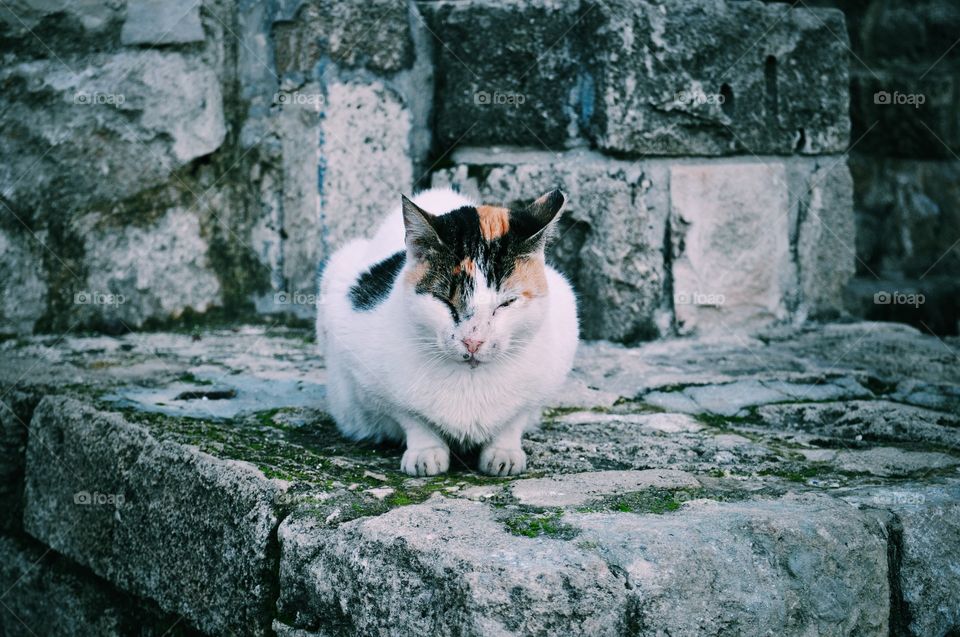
x,y
544,212
420,236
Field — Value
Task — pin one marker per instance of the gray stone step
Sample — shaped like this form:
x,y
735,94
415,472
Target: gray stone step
x,y
804,481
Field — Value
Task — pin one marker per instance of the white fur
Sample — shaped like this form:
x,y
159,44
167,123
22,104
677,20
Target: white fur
x,y
397,371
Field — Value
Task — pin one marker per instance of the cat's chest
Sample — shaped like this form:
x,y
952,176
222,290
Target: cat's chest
x,y
471,399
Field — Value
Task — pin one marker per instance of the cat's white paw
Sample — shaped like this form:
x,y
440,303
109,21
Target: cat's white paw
x,y
503,461
426,461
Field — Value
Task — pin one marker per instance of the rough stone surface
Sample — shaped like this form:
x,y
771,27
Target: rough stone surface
x,y
709,78
137,273
798,462
610,242
160,520
155,22
825,250
641,77
766,561
519,87
23,290
45,594
121,123
730,246
579,488
376,35
444,567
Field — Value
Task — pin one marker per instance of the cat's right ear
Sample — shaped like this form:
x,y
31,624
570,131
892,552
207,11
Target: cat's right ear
x,y
420,236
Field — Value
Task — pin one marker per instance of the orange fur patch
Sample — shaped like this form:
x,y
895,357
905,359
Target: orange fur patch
x,y
494,221
467,265
529,277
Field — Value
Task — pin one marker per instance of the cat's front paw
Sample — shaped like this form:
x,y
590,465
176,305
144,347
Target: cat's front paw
x,y
426,461
503,461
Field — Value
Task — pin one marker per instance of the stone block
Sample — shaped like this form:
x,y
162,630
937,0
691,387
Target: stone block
x,y
507,72
794,565
825,243
375,35
158,519
898,113
145,271
730,245
23,288
443,567
716,78
121,124
156,22
46,594
610,243
908,212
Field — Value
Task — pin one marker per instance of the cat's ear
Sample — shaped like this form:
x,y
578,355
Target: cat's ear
x,y
420,236
544,213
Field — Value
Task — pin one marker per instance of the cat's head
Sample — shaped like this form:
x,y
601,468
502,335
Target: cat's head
x,y
476,277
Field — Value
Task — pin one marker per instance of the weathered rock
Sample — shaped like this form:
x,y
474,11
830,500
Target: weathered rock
x,y
733,398
714,78
376,35
23,289
445,567
579,488
730,245
155,22
161,520
519,86
825,248
923,526
792,566
883,461
908,212
121,123
868,420
16,408
610,243
906,112
136,273
45,594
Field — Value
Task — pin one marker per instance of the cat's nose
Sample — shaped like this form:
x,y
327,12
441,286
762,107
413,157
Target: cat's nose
x,y
472,345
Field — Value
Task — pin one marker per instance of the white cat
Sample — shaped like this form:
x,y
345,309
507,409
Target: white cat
x,y
448,328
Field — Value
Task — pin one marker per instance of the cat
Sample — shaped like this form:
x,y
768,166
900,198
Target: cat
x,y
448,327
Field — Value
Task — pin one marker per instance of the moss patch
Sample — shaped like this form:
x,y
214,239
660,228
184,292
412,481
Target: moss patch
x,y
542,523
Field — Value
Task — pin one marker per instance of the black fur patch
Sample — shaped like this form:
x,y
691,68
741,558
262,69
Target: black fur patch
x,y
374,285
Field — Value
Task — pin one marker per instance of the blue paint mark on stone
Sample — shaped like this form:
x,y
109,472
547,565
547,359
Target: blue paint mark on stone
x,y
587,97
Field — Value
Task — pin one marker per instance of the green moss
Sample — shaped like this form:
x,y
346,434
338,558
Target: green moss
x,y
187,377
545,523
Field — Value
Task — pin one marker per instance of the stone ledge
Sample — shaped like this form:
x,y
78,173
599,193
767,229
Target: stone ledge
x,y
218,489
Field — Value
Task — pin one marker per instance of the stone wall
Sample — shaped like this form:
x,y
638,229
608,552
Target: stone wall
x,y
905,159
162,161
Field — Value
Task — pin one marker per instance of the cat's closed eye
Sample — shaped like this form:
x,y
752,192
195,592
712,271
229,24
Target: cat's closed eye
x,y
508,302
